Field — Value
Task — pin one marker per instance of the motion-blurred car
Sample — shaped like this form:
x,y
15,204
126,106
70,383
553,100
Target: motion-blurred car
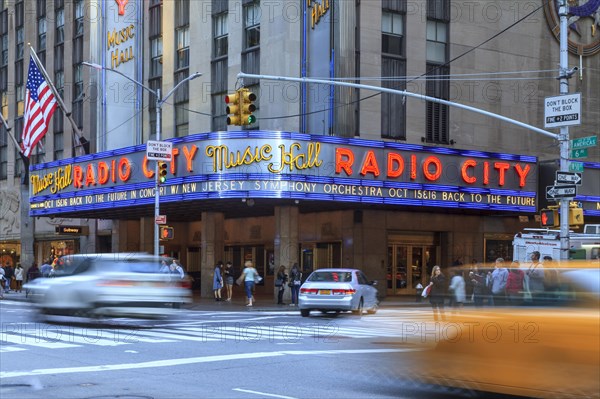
x,y
548,349
338,290
94,285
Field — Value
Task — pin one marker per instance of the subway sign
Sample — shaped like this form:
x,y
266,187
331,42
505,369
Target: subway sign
x,y
266,164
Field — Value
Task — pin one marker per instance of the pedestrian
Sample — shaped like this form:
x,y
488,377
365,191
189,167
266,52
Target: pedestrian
x,y
457,287
8,276
249,275
295,283
19,272
228,277
437,293
498,283
280,281
33,272
477,279
217,281
177,274
514,284
535,278
2,273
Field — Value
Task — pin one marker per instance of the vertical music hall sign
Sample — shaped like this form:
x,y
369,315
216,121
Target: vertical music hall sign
x,y
121,51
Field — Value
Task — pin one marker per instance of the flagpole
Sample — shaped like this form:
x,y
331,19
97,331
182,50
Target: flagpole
x,y
59,99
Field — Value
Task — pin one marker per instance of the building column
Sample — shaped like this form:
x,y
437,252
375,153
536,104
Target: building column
x,y
147,235
213,244
286,242
27,228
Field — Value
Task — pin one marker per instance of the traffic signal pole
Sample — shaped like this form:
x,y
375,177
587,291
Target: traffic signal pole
x,y
563,137
157,177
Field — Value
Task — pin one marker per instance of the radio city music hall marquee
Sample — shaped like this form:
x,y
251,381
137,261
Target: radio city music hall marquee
x,y
289,165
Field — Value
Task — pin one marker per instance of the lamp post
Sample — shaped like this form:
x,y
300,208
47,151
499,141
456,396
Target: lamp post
x,y
159,103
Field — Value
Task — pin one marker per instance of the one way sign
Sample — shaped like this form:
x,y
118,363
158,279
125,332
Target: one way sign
x,y
558,192
568,178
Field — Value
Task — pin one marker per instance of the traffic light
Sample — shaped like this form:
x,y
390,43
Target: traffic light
x,y
549,218
247,107
575,216
233,108
166,233
162,172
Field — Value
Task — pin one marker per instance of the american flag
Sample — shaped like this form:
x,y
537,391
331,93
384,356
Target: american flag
x,y
40,104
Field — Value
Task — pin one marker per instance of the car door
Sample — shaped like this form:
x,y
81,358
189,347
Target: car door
x,y
368,292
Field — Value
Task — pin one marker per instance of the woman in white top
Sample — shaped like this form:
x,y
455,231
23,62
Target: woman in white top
x,y
19,278
250,274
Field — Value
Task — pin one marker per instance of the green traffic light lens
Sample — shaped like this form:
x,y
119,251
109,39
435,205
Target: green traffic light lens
x,y
251,119
163,179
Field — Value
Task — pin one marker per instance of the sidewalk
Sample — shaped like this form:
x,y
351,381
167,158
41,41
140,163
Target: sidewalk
x,y
261,303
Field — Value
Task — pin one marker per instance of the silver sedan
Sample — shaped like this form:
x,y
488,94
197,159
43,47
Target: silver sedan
x,y
92,285
338,290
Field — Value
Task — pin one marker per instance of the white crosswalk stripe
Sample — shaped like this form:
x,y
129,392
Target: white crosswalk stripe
x,y
387,323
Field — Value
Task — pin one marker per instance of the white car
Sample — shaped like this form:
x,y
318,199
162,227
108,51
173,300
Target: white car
x,y
93,285
338,290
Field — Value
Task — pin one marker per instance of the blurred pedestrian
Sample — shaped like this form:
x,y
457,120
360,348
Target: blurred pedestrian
x,y
2,273
228,277
217,281
535,278
498,283
437,293
9,273
280,281
419,291
477,279
19,272
457,287
514,284
176,275
249,275
46,268
295,283
33,272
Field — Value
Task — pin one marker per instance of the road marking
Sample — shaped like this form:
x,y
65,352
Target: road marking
x,y
27,340
263,393
194,360
4,349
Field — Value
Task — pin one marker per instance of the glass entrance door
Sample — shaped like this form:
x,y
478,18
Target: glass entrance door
x,y
409,265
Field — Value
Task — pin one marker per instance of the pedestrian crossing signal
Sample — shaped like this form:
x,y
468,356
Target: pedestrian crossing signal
x,y
549,218
167,233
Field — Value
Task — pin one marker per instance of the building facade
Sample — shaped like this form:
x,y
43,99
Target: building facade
x,y
328,176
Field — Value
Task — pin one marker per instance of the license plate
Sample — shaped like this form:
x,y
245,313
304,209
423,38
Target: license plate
x,y
325,292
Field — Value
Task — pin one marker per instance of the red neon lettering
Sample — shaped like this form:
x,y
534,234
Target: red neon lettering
x,y
121,4
394,159
90,176
370,165
189,156
149,173
113,176
77,176
469,163
501,167
413,167
431,160
102,172
344,158
486,172
124,169
522,174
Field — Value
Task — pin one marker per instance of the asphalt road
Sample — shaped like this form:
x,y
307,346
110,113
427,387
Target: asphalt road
x,y
211,354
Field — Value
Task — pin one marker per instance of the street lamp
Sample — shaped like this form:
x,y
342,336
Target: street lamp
x,y
159,103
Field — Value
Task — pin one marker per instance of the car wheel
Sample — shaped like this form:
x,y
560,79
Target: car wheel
x,y
373,310
359,310
305,312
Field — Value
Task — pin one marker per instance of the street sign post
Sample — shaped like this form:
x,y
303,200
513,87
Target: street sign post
x,y
575,166
568,178
159,150
584,142
581,153
562,110
560,192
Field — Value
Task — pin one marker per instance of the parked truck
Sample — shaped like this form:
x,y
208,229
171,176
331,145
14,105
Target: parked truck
x,y
584,245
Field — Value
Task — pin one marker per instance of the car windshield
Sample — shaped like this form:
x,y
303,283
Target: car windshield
x,y
331,276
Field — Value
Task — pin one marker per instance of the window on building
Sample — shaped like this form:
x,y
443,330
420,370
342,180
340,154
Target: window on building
x,y
19,88
252,25
79,14
3,152
39,152
18,127
220,35
78,95
59,25
182,34
181,105
393,71
437,70
156,55
58,135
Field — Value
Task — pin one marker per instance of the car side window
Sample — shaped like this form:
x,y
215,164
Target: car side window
x,y
362,279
